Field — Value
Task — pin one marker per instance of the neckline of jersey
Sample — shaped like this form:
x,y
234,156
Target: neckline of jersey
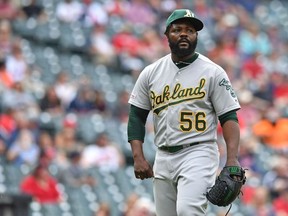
x,y
190,60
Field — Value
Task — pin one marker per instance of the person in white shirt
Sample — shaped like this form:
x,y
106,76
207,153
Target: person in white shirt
x,y
102,154
69,11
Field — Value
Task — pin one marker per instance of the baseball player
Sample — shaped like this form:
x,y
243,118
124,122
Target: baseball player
x,y
187,94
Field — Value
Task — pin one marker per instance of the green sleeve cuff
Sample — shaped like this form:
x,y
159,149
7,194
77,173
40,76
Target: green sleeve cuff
x,y
136,123
232,115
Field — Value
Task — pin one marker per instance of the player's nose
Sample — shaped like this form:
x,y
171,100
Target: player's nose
x,y
183,34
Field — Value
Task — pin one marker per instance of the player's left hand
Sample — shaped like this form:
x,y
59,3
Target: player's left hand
x,y
227,186
232,162
236,163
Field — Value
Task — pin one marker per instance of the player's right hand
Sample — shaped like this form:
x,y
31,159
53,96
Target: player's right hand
x,y
142,169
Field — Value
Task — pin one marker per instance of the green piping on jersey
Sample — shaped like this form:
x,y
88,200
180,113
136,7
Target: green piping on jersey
x,y
136,123
158,110
184,63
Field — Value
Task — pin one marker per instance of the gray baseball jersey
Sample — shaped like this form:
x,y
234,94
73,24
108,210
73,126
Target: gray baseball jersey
x,y
185,102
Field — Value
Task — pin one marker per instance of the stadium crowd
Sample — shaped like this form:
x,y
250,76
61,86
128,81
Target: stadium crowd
x,y
249,39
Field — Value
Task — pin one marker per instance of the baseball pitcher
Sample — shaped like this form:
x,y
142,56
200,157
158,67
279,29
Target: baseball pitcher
x,y
188,94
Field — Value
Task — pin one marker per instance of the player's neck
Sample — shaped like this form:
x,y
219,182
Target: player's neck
x,y
186,60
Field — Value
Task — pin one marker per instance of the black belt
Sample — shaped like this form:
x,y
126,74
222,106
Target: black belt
x,y
173,149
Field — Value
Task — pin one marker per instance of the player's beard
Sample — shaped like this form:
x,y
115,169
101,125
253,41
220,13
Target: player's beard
x,y
182,52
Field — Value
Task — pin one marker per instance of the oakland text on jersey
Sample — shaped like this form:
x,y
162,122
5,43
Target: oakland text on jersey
x,y
176,95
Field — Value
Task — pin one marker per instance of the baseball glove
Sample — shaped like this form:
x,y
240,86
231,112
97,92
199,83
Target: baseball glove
x,y
227,186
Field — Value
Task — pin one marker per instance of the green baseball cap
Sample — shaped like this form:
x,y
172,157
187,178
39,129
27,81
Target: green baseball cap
x,y
185,14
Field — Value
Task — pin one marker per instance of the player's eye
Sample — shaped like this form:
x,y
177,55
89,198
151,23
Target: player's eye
x,y
191,31
176,30
187,31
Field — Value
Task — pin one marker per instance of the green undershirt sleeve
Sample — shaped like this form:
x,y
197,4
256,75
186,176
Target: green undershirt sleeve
x,y
136,123
232,115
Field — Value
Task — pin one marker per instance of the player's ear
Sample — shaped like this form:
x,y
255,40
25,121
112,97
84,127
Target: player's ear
x,y
167,30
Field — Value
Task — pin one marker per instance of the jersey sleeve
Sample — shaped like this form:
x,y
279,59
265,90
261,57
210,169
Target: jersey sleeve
x,y
140,93
223,96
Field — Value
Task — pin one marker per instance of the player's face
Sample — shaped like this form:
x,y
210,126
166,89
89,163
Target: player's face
x,y
182,38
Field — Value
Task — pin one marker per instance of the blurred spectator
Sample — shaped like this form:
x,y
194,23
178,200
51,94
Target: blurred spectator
x,y
252,67
248,156
126,41
94,13
276,179
116,7
226,54
9,125
99,102
69,11
260,203
280,204
6,37
8,9
281,86
263,89
65,89
100,45
202,9
83,101
248,5
121,108
48,151
32,9
17,98
272,130
16,64
142,207
74,175
88,99
6,80
252,40
127,47
33,81
274,63
276,38
41,186
24,150
139,13
129,203
103,154
152,46
2,146
103,210
51,103
66,140
249,112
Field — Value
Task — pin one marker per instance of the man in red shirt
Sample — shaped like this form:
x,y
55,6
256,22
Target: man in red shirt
x,y
280,204
41,186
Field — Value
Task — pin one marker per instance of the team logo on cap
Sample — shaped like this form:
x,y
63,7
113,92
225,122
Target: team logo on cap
x,y
189,14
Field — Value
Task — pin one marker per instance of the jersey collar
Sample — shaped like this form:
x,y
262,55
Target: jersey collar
x,y
187,62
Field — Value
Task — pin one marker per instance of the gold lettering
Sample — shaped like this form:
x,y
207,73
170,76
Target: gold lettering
x,y
181,93
200,87
166,93
152,96
189,92
178,94
161,98
176,89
